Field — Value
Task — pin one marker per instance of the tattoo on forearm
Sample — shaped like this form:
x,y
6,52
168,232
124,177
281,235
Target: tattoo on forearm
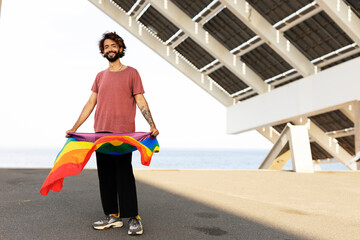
x,y
147,115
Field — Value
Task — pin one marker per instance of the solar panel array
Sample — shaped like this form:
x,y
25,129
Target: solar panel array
x,y
317,37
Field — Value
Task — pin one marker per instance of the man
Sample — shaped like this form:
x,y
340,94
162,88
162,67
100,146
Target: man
x,y
115,92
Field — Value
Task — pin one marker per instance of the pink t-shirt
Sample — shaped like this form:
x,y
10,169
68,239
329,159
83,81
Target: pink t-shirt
x,y
116,106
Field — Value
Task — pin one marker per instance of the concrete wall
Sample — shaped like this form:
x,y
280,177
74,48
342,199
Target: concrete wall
x,y
329,88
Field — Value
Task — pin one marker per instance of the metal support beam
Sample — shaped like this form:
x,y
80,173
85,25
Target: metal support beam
x,y
137,8
299,16
325,161
208,12
176,39
336,57
342,16
283,80
209,43
298,139
201,18
129,23
349,110
269,34
279,144
339,134
272,135
244,95
211,67
281,160
352,111
247,46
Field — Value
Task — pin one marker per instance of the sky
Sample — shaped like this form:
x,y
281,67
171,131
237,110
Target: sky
x,y
49,58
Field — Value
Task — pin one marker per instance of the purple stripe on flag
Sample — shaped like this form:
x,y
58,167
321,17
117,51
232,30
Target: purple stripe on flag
x,y
92,137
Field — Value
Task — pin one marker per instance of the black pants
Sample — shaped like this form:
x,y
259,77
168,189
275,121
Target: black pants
x,y
117,184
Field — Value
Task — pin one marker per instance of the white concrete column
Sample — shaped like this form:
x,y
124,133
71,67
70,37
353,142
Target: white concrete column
x,y
300,149
357,131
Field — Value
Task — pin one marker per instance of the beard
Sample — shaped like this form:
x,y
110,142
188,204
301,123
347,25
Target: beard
x,y
114,58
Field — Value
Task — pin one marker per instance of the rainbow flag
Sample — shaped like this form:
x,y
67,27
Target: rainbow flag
x,y
78,149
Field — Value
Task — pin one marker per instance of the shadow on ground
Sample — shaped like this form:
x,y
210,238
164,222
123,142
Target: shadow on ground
x,y
26,214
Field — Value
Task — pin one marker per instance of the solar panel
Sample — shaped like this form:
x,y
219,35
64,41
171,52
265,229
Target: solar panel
x,y
227,80
318,152
314,37
317,36
348,143
191,7
194,53
276,10
158,24
125,4
265,62
228,29
332,121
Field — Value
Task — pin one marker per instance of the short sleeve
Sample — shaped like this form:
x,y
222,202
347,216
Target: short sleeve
x,y
137,86
95,86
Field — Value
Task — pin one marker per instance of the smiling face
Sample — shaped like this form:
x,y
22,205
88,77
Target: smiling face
x,y
112,46
112,50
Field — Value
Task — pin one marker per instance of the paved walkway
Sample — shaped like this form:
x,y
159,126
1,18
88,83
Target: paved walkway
x,y
188,204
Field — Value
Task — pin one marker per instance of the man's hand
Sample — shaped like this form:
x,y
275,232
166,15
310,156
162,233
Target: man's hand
x,y
69,131
154,131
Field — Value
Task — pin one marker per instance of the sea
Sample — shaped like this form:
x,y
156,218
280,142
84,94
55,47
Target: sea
x,y
246,159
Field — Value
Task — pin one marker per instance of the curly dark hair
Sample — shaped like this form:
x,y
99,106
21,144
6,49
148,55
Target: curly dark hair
x,y
116,38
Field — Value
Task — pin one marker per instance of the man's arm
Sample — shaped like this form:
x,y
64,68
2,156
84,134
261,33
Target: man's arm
x,y
144,108
85,113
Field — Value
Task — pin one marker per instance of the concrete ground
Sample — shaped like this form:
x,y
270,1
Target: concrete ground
x,y
188,204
